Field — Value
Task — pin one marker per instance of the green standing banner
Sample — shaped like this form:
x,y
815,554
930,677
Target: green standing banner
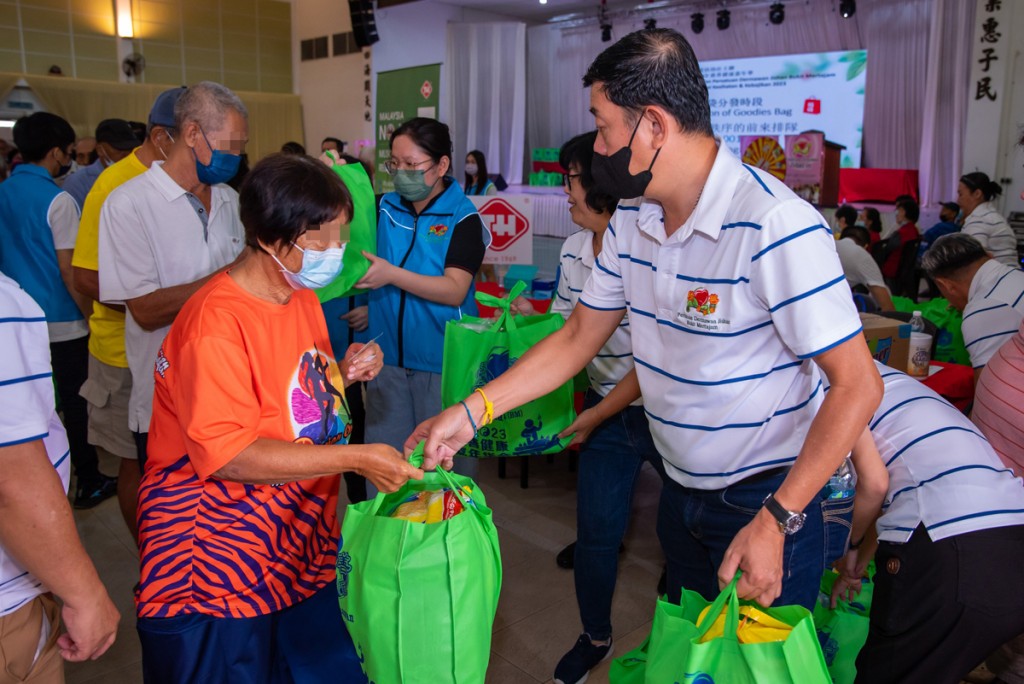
x,y
402,94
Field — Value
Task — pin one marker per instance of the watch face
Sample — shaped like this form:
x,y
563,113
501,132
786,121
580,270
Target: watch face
x,y
794,523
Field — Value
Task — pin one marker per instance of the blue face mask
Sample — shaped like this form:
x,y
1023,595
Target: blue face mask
x,y
318,270
222,167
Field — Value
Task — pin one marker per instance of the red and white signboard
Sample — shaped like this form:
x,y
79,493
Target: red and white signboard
x,y
510,221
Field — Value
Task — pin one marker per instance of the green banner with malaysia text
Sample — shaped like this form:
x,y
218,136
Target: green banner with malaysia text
x,y
402,94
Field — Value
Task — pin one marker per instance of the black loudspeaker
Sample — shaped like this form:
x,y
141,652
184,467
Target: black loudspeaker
x,y
364,26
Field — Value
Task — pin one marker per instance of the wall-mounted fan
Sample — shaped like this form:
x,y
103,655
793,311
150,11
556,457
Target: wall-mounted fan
x,y
133,64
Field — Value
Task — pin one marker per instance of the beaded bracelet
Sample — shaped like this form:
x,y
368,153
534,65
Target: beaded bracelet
x,y
470,416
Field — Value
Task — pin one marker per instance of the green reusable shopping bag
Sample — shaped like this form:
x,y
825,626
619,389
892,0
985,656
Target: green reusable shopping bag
x,y
420,599
843,631
949,345
676,656
362,233
630,668
477,350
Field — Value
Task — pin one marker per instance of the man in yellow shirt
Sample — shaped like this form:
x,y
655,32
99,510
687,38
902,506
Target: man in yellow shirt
x,y
110,382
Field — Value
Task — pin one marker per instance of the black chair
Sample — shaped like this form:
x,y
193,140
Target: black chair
x,y
906,283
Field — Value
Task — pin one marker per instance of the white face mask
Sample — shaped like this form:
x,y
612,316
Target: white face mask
x,y
471,169
318,269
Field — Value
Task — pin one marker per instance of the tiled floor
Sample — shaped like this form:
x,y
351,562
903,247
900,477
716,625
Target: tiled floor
x,y
537,618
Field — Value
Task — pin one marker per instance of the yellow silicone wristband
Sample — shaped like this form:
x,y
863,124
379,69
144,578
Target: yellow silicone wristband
x,y
488,416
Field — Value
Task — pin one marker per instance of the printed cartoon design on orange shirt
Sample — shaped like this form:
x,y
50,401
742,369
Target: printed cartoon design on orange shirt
x,y
313,401
704,302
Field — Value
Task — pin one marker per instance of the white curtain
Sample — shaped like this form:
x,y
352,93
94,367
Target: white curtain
x,y
894,32
947,88
486,86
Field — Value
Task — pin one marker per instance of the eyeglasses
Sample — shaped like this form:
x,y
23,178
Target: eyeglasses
x,y
393,165
567,179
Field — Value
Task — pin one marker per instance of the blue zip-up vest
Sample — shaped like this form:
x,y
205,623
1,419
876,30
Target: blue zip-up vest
x,y
412,328
28,255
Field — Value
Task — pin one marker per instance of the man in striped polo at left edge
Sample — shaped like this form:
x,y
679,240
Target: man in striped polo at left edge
x,y
737,307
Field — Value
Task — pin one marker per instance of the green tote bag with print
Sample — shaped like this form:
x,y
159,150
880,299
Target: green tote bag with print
x,y
362,233
843,630
676,654
419,599
476,351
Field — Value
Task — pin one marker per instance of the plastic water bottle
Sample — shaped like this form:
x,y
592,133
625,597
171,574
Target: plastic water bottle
x,y
917,322
843,482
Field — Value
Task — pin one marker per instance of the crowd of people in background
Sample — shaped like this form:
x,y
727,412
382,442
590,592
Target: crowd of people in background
x,y
163,297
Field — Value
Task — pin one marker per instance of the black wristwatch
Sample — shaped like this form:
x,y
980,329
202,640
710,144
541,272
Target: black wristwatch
x,y
789,521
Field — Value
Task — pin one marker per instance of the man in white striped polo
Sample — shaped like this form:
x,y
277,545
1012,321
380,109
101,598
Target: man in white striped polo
x,y
987,292
947,519
735,298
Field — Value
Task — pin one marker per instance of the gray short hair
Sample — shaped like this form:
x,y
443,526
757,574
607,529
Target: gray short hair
x,y
950,253
207,103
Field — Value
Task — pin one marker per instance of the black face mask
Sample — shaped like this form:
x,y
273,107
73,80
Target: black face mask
x,y
612,176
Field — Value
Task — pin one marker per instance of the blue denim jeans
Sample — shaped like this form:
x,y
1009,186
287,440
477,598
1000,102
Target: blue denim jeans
x,y
696,527
608,466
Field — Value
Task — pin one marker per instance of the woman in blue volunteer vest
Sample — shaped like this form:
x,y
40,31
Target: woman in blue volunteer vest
x,y
430,244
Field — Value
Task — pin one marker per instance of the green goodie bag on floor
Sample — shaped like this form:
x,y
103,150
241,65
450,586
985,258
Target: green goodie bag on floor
x,y
476,351
362,229
843,631
419,599
678,650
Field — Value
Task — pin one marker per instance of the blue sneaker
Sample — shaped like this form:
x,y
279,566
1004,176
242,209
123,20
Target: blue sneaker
x,y
575,666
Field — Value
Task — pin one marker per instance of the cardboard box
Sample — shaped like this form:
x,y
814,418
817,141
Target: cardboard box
x,y
888,339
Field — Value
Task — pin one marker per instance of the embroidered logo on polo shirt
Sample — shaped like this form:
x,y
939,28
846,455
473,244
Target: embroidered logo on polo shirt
x,y
701,300
437,231
161,363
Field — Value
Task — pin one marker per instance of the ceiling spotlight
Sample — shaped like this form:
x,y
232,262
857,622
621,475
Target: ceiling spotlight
x,y
722,20
777,13
847,8
650,23
697,22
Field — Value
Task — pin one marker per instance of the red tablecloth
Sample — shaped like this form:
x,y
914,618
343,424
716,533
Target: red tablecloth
x,y
876,185
955,383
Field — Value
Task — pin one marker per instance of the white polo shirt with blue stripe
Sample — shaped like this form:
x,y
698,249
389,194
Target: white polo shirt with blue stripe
x,y
726,315
27,414
615,359
942,471
995,308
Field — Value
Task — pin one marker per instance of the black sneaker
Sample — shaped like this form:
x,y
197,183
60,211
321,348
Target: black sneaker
x,y
575,666
104,488
566,557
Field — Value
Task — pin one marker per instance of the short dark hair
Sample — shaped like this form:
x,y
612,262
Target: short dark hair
x,y
848,213
580,151
35,135
292,147
286,194
872,215
481,172
910,208
858,234
654,67
430,135
340,143
951,253
980,181
951,206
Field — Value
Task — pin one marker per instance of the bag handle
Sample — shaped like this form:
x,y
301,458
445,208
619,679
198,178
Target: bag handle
x,y
732,614
416,459
506,319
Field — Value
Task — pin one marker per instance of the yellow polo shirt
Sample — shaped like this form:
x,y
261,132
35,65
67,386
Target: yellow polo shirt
x,y
106,326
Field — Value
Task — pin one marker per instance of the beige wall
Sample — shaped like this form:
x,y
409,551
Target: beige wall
x,y
331,89
245,44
